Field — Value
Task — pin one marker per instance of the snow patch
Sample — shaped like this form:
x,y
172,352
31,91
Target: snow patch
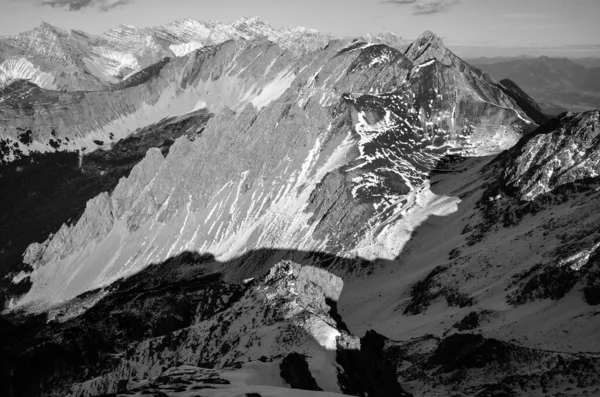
x,y
22,69
274,89
185,48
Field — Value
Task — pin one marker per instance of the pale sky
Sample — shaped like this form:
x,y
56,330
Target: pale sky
x,y
470,27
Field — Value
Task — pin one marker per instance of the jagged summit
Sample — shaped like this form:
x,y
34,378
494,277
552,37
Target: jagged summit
x,y
427,46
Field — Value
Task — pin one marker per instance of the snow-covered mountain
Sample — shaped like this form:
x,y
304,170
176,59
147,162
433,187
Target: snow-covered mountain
x,y
55,59
297,193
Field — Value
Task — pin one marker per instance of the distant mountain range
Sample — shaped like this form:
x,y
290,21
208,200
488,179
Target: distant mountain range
x,y
555,82
588,62
62,60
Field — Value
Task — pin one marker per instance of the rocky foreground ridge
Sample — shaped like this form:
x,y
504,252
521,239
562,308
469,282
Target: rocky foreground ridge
x,y
177,328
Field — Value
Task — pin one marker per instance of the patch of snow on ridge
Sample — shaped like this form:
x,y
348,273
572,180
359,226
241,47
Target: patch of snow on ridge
x,y
185,48
323,333
274,89
389,241
114,62
22,69
423,65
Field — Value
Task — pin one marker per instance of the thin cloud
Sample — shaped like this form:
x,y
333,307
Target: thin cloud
x,y
78,5
525,15
421,7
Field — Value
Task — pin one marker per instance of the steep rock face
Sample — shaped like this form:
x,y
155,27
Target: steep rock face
x,y
563,151
43,191
330,156
427,46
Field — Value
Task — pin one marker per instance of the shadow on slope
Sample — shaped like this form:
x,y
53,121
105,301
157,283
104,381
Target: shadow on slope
x,y
82,338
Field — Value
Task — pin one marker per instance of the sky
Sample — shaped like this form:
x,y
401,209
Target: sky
x,y
469,27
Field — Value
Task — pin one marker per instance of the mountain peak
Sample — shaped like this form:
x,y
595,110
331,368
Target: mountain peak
x,y
429,35
45,26
428,45
251,20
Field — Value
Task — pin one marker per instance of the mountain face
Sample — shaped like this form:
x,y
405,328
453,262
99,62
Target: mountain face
x,y
55,59
559,81
229,220
336,147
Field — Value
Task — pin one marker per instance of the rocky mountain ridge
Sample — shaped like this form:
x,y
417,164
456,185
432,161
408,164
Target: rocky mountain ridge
x,y
55,59
218,336
360,121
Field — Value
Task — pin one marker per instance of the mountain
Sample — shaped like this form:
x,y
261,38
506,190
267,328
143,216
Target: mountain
x,y
557,80
254,218
588,62
55,59
388,38
332,143
494,60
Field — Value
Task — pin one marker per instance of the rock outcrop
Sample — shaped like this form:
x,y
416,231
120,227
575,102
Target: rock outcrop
x,y
562,151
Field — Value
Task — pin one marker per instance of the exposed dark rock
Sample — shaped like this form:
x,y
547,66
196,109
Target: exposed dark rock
x,y
471,321
295,372
424,292
367,371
